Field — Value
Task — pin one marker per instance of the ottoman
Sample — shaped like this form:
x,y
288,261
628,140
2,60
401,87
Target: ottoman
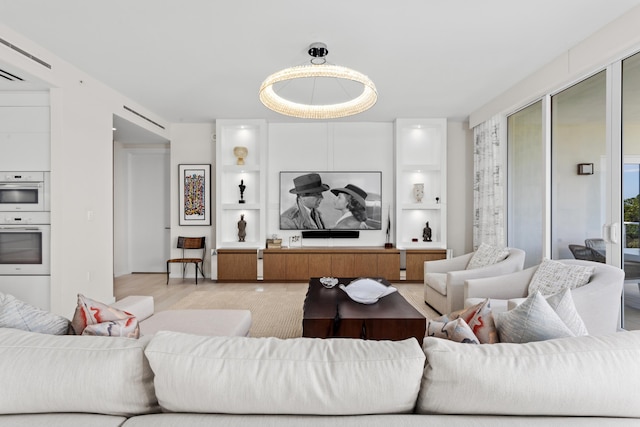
x,y
198,322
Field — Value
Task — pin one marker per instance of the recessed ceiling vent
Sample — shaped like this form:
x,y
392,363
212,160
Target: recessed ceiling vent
x,y
25,53
8,76
141,116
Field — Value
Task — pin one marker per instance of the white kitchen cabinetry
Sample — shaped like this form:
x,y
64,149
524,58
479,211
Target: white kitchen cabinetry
x,y
25,128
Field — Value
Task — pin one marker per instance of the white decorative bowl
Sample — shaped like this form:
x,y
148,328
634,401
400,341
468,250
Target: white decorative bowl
x,y
367,291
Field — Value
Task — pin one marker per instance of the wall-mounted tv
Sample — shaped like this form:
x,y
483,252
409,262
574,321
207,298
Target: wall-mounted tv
x,y
330,200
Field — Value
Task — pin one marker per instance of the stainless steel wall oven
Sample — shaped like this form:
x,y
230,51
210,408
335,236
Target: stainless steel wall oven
x,y
24,192
24,243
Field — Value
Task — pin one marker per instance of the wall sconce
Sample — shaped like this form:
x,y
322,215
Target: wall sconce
x,y
585,168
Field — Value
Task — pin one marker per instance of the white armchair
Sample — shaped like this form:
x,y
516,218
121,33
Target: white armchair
x,y
444,278
597,302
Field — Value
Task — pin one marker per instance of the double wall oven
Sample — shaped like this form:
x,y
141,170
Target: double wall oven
x,y
25,236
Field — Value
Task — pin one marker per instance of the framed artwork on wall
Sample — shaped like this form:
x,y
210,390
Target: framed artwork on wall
x,y
330,200
195,194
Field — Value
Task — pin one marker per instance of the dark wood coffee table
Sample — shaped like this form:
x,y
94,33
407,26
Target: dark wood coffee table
x,y
330,313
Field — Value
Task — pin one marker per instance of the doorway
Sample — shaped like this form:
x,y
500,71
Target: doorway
x,y
141,192
148,210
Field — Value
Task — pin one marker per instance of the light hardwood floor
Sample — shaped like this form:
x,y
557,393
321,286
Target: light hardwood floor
x,y
165,296
154,285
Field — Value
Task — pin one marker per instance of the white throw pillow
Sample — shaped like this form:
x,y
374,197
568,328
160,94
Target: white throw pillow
x,y
17,314
533,320
240,375
562,304
487,255
591,376
552,277
70,373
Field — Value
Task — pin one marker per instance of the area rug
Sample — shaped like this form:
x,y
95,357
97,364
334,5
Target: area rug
x,y
276,312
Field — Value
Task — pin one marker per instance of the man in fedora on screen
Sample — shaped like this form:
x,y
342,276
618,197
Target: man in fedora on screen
x,y
304,214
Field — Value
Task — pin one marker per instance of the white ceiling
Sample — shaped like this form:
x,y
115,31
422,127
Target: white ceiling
x,y
198,60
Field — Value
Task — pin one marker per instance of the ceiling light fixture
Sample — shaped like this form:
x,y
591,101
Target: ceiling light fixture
x,y
318,69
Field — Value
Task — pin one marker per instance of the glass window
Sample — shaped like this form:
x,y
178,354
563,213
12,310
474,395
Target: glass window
x,y
526,182
631,189
578,136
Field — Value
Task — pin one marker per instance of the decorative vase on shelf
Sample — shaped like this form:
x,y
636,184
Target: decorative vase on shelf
x,y
240,153
418,192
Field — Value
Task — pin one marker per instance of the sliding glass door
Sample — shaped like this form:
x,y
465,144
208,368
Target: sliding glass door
x,y
579,170
526,182
631,189
574,176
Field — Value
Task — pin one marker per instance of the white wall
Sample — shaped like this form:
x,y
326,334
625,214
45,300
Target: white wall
x,y
81,199
191,143
616,40
323,147
120,212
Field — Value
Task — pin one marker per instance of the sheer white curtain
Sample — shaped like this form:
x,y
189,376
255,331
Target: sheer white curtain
x,y
489,182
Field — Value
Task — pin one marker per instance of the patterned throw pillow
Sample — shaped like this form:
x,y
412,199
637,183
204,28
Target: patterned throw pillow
x,y
455,330
480,320
95,318
552,277
533,320
487,255
17,314
562,304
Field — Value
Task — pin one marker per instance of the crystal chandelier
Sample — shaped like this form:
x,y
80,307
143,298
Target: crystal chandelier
x,y
318,69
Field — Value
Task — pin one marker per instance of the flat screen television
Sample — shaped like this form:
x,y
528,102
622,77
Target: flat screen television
x,y
330,200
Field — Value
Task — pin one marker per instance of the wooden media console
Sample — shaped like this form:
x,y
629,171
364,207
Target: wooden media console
x,y
300,264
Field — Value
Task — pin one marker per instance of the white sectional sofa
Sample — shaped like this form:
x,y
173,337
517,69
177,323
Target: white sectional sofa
x,y
171,379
